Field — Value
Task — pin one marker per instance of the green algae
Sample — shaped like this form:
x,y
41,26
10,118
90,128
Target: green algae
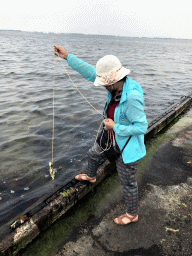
x,y
64,193
153,144
151,147
68,192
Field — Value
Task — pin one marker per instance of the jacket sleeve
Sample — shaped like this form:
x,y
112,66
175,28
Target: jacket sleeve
x,y
83,68
134,110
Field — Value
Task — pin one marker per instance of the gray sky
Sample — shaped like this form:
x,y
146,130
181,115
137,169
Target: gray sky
x,y
141,18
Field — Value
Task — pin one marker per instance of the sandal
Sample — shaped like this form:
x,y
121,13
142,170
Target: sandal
x,y
125,219
84,177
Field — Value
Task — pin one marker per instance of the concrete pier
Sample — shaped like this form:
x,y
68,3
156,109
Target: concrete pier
x,y
165,207
165,189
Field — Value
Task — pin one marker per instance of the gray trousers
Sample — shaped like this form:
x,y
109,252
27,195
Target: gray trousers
x,y
126,174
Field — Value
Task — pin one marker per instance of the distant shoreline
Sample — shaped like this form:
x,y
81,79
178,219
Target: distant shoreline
x,y
81,34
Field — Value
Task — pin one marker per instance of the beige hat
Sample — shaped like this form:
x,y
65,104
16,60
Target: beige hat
x,y
109,71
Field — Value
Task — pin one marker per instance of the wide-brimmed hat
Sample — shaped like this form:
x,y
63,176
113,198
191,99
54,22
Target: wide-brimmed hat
x,y
109,71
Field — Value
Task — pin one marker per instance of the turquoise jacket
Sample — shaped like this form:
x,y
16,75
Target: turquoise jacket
x,y
129,116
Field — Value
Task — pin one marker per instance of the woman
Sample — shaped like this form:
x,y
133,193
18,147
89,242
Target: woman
x,y
124,110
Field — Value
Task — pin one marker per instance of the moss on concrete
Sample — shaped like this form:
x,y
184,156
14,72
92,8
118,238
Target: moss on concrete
x,y
153,144
67,192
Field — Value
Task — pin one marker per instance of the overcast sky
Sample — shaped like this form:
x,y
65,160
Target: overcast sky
x,y
141,18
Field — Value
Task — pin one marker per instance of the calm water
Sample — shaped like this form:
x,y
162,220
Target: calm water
x,y
163,67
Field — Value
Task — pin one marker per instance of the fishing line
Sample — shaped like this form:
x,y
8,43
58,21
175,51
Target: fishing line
x,y
107,148
79,90
51,170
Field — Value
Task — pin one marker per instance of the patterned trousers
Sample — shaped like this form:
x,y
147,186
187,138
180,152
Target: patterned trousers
x,y
126,174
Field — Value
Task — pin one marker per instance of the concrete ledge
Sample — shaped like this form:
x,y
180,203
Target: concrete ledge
x,y
55,207
168,116
27,227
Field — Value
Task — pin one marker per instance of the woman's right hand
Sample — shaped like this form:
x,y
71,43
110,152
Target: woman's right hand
x,y
61,52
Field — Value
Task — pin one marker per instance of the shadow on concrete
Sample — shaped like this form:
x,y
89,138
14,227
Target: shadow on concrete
x,y
169,165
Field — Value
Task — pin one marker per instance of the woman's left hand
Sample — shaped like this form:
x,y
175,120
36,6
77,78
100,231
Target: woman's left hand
x,y
109,123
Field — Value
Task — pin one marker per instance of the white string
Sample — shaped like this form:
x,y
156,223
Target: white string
x,y
107,148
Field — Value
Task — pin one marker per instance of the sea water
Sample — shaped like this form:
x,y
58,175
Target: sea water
x,y
163,67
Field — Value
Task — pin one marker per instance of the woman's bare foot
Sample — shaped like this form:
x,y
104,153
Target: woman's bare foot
x,y
83,177
126,219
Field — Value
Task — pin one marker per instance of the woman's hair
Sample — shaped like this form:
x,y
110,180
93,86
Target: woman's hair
x,y
123,79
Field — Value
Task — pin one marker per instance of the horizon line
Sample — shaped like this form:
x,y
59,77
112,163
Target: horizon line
x,y
75,33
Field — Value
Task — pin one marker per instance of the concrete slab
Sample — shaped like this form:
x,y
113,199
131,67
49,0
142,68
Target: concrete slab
x,y
165,212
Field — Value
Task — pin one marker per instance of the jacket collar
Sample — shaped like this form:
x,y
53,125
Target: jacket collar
x,y
124,93
128,86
